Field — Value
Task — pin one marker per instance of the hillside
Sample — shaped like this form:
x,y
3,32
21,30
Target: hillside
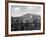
x,y
26,22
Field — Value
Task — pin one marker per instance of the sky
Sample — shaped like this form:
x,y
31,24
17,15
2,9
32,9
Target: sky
x,y
17,11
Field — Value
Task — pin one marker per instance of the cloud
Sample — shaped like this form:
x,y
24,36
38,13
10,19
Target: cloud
x,y
20,10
